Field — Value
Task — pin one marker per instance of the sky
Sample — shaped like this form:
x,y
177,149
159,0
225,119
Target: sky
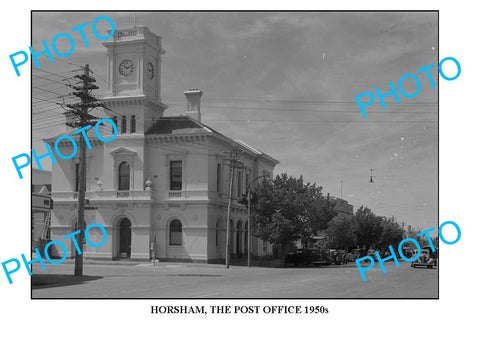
x,y
285,83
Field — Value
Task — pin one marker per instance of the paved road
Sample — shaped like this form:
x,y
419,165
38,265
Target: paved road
x,y
181,280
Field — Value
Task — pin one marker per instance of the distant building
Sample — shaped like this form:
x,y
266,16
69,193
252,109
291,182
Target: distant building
x,y
41,201
411,232
341,206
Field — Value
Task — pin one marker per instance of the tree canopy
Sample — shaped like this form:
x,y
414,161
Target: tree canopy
x,y
341,232
286,209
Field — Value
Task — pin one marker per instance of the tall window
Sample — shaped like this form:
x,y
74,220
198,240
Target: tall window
x,y
219,177
231,236
115,120
175,233
176,175
245,239
239,184
124,176
124,124
133,124
238,246
247,182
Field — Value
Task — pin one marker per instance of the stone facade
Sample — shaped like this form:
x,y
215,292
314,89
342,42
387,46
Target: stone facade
x,y
162,183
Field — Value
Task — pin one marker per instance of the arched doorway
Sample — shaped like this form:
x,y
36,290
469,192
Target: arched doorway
x,y
231,238
125,238
239,239
245,239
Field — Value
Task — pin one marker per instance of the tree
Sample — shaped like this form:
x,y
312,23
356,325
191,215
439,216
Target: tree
x,y
287,209
275,210
316,214
369,228
392,234
276,230
341,232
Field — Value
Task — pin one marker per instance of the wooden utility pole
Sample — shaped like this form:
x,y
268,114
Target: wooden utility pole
x,y
249,231
227,243
233,163
78,117
82,178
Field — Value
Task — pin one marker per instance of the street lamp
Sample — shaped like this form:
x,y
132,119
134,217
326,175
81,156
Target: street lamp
x,y
249,229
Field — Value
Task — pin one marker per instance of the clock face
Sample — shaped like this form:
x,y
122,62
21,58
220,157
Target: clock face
x,y
126,68
150,71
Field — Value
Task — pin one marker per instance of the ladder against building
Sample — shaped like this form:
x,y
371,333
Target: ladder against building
x,y
46,226
45,237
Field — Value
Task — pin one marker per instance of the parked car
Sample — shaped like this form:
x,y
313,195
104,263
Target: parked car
x,y
425,259
358,253
371,252
339,257
325,257
349,257
302,256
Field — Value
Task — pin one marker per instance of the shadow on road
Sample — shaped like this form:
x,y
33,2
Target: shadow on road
x,y
197,275
267,262
57,280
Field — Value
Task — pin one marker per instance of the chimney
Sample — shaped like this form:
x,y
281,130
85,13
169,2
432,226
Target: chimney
x,y
193,103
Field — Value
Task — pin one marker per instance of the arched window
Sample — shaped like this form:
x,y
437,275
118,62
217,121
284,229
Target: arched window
x,y
219,177
238,246
133,124
124,124
245,246
239,184
230,240
124,176
175,233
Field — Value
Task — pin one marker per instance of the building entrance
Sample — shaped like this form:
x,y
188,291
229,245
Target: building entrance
x,y
125,238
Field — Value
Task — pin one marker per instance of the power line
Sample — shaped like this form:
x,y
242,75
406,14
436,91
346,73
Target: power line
x,y
292,101
303,110
70,63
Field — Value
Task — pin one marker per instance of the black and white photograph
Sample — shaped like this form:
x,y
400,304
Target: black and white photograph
x,y
235,154
214,170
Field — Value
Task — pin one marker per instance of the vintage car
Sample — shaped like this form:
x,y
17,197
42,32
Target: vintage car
x,y
425,259
339,257
325,257
306,257
357,253
371,252
302,257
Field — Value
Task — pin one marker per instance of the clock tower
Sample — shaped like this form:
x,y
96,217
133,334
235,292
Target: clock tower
x,y
133,72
